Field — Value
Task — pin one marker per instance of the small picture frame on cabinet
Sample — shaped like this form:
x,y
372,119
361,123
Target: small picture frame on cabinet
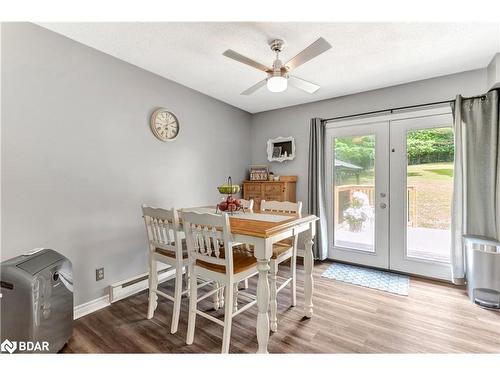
x,y
258,172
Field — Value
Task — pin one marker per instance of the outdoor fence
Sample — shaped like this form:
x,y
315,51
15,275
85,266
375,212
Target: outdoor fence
x,y
343,197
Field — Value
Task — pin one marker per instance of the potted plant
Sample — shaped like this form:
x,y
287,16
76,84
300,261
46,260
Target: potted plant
x,y
358,212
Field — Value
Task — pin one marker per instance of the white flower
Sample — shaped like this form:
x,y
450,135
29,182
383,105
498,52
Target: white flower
x,y
361,197
360,209
355,214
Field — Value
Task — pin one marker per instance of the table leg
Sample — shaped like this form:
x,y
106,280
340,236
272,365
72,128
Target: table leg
x,y
308,278
263,305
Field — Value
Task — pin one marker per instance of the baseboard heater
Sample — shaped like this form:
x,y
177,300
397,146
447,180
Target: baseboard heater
x,y
136,284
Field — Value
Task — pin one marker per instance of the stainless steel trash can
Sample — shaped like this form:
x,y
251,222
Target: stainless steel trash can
x,y
36,302
483,270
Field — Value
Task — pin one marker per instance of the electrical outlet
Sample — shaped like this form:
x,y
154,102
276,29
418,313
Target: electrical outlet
x,y
99,274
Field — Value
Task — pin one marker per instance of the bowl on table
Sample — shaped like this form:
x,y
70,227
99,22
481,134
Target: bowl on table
x,y
230,204
229,189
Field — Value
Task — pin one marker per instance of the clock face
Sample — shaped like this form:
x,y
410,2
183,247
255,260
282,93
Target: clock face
x,y
164,125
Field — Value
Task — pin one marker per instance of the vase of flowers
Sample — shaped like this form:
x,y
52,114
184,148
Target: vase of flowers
x,y
358,212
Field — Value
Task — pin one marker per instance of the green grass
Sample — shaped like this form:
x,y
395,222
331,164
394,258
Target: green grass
x,y
431,171
443,172
434,186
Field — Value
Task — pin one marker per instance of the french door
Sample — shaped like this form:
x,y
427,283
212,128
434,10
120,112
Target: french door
x,y
359,193
390,183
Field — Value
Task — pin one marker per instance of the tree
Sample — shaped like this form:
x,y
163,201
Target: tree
x,y
430,146
423,146
356,150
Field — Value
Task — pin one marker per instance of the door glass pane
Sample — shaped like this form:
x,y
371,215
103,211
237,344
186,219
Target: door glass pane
x,y
430,155
354,192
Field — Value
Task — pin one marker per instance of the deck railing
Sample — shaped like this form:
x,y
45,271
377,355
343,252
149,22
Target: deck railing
x,y
348,190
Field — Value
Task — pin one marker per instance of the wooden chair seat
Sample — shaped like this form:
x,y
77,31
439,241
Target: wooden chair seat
x,y
287,241
278,248
242,261
170,253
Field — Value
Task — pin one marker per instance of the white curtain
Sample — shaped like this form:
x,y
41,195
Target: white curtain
x,y
476,195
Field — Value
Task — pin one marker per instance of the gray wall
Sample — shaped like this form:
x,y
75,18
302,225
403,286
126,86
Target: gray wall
x,y
78,158
294,121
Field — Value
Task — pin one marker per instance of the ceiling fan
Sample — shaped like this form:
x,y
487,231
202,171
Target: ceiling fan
x,y
278,76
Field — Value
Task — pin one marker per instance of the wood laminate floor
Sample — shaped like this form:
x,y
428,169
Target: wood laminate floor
x,y
434,318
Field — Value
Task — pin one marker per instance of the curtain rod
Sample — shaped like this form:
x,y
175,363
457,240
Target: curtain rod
x,y
400,108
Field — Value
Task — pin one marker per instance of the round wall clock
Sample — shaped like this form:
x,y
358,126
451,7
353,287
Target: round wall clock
x,y
164,125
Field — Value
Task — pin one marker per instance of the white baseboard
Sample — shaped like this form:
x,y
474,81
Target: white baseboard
x,y
91,306
121,290
126,288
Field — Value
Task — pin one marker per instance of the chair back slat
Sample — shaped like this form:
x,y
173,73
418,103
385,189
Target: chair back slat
x,y
208,238
247,204
281,207
163,228
162,231
216,243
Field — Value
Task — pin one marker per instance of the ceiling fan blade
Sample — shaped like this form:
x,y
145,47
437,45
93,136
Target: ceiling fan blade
x,y
254,88
303,84
245,60
315,49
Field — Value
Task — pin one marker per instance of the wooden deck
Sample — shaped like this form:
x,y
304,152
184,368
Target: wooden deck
x,y
434,318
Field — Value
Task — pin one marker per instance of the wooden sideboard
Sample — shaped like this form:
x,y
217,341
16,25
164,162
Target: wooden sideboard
x,y
283,190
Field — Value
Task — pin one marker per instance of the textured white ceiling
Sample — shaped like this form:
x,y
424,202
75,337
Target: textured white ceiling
x,y
364,56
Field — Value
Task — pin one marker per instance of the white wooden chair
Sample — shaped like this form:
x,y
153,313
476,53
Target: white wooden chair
x,y
283,250
247,204
165,246
214,256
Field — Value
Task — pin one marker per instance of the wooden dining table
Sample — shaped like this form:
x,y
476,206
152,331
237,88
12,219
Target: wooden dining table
x,y
262,230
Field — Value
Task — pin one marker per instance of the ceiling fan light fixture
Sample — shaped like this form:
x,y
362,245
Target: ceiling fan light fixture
x,y
277,84
278,75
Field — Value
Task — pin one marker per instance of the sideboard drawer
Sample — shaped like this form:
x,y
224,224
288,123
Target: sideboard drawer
x,y
274,191
274,188
252,188
270,191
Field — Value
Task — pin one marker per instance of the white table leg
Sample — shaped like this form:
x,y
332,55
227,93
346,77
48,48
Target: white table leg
x,y
308,278
273,304
263,305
